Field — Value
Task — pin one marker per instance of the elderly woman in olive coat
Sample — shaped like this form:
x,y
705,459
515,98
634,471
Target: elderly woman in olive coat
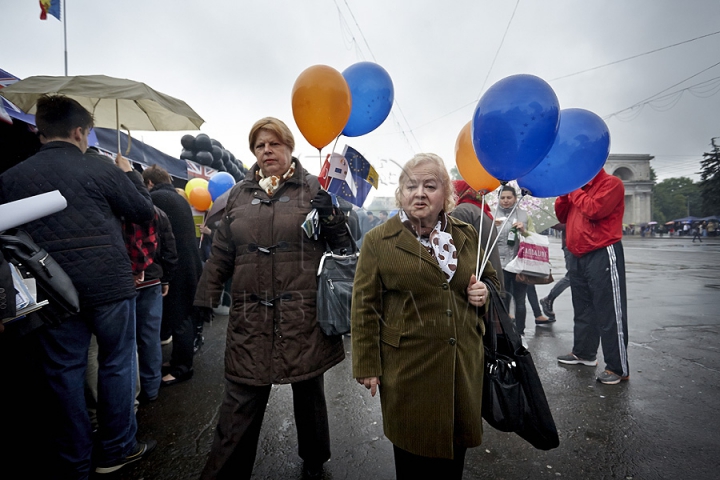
x,y
417,325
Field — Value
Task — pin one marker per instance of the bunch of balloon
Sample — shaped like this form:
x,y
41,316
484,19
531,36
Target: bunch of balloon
x,y
514,125
372,93
470,167
321,104
579,152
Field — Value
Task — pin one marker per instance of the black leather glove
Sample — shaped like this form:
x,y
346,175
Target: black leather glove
x,y
323,204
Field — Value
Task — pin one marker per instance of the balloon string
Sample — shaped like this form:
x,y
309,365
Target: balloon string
x,y
497,208
488,249
479,249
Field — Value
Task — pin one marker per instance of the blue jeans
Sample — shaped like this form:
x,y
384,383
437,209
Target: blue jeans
x,y
65,361
148,311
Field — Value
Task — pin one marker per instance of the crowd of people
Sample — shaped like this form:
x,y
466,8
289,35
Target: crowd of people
x,y
128,243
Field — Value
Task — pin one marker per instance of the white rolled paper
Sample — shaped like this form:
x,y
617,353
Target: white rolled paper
x,y
16,213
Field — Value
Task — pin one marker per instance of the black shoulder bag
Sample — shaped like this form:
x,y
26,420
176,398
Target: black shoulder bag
x,y
336,274
52,281
513,396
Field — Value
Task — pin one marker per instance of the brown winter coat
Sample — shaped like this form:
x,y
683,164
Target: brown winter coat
x,y
419,334
273,335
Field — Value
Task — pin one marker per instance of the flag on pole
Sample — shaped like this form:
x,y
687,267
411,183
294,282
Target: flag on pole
x,y
49,6
356,186
335,166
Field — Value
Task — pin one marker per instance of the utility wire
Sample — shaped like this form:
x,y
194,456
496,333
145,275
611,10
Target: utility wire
x,y
655,97
497,52
634,56
400,111
577,73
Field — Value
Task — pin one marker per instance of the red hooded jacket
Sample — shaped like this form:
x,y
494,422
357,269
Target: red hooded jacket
x,y
593,214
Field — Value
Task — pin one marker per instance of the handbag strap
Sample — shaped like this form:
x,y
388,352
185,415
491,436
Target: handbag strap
x,y
498,310
18,240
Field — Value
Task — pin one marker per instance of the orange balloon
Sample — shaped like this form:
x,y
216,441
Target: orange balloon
x,y
321,104
200,198
469,166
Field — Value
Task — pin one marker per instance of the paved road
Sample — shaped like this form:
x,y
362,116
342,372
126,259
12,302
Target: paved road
x,y
661,424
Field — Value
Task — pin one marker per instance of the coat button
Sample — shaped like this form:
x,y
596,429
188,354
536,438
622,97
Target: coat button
x,y
452,341
448,313
445,286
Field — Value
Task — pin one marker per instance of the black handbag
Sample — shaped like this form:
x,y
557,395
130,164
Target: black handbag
x,y
52,281
336,274
513,396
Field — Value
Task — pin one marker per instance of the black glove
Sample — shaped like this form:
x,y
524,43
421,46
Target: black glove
x,y
323,204
204,313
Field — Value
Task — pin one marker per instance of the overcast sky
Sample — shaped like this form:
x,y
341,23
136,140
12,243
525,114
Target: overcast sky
x,y
236,61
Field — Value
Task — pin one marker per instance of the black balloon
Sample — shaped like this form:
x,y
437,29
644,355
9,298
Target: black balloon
x,y
188,142
216,143
217,164
204,158
203,143
217,152
187,155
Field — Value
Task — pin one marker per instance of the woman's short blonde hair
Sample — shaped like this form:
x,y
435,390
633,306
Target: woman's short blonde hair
x,y
276,126
436,163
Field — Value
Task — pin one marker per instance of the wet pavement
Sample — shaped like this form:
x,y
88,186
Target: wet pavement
x,y
661,424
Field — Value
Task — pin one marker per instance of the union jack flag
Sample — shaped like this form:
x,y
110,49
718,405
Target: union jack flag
x,y
195,170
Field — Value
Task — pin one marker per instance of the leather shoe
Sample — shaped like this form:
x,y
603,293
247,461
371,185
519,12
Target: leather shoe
x,y
177,379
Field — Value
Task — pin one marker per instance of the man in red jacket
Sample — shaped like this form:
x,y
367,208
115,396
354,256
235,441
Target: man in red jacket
x,y
596,267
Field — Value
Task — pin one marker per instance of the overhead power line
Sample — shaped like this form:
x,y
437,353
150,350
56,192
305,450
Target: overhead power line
x,y
656,97
635,56
497,52
397,104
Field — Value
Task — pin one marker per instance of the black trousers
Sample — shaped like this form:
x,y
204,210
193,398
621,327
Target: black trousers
x,y
409,466
597,283
232,455
516,291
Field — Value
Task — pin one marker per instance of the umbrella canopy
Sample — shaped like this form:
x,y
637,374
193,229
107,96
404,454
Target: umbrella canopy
x,y
112,101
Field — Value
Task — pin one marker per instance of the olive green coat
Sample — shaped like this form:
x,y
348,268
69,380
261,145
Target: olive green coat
x,y
419,334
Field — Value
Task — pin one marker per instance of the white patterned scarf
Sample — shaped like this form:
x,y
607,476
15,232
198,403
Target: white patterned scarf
x,y
271,184
439,243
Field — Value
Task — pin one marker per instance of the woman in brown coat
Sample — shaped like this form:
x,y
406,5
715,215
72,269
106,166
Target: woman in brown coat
x,y
417,325
273,336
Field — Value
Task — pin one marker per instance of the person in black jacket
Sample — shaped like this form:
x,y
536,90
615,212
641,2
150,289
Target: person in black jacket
x,y
86,240
178,311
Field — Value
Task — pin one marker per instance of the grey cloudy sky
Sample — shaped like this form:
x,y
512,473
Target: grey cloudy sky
x,y
236,61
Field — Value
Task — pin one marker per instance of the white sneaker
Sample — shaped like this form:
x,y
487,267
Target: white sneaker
x,y
524,342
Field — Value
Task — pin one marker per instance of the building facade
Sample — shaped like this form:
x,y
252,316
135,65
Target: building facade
x,y
634,171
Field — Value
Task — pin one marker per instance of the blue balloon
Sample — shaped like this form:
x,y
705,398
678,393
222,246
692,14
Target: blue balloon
x,y
580,150
220,183
514,125
372,97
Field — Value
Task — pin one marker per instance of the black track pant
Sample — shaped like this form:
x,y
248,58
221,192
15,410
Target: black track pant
x,y
597,282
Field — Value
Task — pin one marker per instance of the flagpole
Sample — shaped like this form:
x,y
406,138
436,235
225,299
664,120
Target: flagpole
x,y
65,34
